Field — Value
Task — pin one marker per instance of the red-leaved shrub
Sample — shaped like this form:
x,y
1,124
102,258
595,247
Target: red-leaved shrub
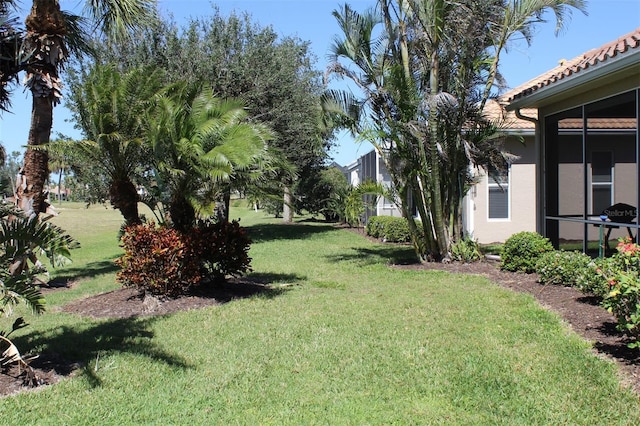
x,y
222,247
157,260
161,260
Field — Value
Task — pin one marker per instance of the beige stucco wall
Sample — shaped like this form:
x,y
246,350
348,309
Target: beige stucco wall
x,y
522,190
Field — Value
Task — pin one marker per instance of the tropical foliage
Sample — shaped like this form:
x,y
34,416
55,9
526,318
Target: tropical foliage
x,y
165,261
23,242
51,36
623,297
110,107
272,75
423,71
200,144
361,197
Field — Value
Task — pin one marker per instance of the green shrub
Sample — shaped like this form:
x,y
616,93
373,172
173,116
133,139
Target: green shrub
x,y
465,250
522,250
396,231
591,279
157,260
375,225
623,298
561,267
389,229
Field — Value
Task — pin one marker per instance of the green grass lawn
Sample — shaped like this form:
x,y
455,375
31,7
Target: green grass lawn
x,y
347,341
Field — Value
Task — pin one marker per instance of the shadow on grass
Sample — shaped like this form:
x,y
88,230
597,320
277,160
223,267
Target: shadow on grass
x,y
86,345
253,285
271,278
392,254
285,231
64,276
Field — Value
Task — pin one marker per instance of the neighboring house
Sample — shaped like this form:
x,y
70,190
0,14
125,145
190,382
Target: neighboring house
x,y
575,132
370,167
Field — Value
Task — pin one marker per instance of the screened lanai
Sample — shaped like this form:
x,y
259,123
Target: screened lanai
x,y
588,146
591,174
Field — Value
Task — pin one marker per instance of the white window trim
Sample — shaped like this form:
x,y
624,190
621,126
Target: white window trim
x,y
593,184
509,191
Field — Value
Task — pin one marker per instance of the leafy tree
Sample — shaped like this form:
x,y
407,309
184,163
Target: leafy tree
x,y
9,171
425,69
273,76
51,36
325,193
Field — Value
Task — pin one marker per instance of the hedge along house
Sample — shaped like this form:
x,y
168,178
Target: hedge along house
x,y
586,134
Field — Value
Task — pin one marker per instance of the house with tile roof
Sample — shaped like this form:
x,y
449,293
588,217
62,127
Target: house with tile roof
x,y
574,131
587,144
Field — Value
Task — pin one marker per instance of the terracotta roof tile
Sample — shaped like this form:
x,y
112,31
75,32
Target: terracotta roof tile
x,y
494,110
566,69
599,123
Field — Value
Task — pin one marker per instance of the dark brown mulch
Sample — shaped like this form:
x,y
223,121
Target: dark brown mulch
x,y
581,312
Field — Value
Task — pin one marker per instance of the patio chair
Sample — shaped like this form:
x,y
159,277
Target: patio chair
x,y
619,213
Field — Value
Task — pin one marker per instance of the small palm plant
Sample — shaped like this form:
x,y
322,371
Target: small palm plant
x,y
23,242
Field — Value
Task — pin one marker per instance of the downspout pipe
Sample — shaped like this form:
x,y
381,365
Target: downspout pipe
x,y
540,225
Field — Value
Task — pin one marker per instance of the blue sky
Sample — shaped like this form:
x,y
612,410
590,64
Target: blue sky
x,y
312,20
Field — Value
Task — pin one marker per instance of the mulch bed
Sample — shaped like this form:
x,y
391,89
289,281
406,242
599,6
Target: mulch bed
x,y
581,312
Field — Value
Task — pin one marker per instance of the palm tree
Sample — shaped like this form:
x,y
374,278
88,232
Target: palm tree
x,y
425,69
50,37
200,144
10,38
110,107
59,157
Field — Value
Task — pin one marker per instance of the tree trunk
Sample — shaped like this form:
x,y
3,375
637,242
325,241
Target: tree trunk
x,y
44,40
287,209
30,195
124,197
182,213
226,198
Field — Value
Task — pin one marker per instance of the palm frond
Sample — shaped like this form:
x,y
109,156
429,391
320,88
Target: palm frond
x,y
19,288
117,18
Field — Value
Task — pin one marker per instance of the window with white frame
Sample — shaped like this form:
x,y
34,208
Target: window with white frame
x,y
601,180
499,198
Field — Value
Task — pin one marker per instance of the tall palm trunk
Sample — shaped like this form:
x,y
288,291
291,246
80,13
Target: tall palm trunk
x,y
43,52
30,195
437,205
